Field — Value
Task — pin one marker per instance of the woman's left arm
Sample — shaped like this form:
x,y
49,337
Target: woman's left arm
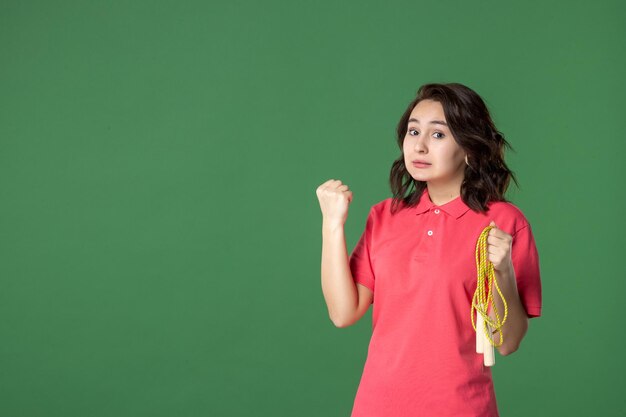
x,y
499,245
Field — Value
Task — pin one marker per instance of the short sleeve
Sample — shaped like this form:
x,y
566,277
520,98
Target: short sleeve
x,y
360,262
526,264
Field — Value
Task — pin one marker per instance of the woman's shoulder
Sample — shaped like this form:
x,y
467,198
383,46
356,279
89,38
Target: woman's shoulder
x,y
382,207
383,204
380,210
505,207
384,211
507,213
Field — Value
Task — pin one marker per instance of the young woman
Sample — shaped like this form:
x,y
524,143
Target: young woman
x,y
416,262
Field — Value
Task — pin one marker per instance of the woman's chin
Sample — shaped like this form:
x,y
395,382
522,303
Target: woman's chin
x,y
420,177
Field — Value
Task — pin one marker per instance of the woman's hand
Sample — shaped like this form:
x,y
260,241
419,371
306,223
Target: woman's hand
x,y
334,198
499,244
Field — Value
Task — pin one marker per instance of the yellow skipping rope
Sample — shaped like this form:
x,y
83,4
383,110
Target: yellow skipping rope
x,y
483,299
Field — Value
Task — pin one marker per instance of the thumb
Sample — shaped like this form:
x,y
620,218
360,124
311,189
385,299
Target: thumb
x,y
492,224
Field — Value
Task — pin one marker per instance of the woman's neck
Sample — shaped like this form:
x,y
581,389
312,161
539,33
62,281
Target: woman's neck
x,y
441,195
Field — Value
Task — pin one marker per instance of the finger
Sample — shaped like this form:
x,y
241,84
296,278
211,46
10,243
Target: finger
x,y
503,238
328,184
496,240
338,186
499,233
495,258
492,250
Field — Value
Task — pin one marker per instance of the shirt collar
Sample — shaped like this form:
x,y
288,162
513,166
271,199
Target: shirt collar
x,y
456,208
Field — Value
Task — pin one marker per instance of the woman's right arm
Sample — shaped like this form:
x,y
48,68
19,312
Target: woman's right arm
x,y
347,302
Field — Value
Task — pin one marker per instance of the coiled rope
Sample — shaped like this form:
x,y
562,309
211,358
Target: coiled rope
x,y
483,294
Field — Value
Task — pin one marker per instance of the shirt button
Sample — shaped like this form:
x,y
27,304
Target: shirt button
x,y
436,211
430,233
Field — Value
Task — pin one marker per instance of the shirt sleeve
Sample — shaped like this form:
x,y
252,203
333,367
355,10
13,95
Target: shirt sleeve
x,y
527,274
360,262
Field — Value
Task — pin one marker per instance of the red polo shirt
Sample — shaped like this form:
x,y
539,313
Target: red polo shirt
x,y
420,263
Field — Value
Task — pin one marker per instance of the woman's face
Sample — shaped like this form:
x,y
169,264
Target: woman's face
x,y
428,139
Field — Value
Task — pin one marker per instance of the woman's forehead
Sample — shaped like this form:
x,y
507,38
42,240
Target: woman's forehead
x,y
428,111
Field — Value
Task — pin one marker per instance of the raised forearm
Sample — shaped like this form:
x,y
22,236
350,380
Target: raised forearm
x,y
516,323
338,286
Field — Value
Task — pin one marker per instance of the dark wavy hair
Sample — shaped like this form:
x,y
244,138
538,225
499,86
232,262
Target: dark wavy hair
x,y
487,175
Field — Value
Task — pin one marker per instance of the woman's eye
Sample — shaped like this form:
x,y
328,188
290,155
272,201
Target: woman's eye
x,y
436,133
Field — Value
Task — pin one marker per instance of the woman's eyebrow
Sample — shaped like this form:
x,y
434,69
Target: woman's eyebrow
x,y
434,122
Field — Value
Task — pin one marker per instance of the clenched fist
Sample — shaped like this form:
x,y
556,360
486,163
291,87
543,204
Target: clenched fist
x,y
334,198
499,245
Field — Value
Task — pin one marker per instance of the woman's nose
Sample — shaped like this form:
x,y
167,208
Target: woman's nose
x,y
420,146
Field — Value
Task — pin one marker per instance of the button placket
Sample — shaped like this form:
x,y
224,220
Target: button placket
x,y
424,251
436,211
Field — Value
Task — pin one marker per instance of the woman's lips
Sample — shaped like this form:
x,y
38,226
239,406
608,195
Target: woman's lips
x,y
420,165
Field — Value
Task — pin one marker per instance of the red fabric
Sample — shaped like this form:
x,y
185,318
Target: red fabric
x,y
422,358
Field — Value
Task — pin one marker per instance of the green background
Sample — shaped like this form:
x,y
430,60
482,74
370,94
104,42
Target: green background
x,y
161,236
